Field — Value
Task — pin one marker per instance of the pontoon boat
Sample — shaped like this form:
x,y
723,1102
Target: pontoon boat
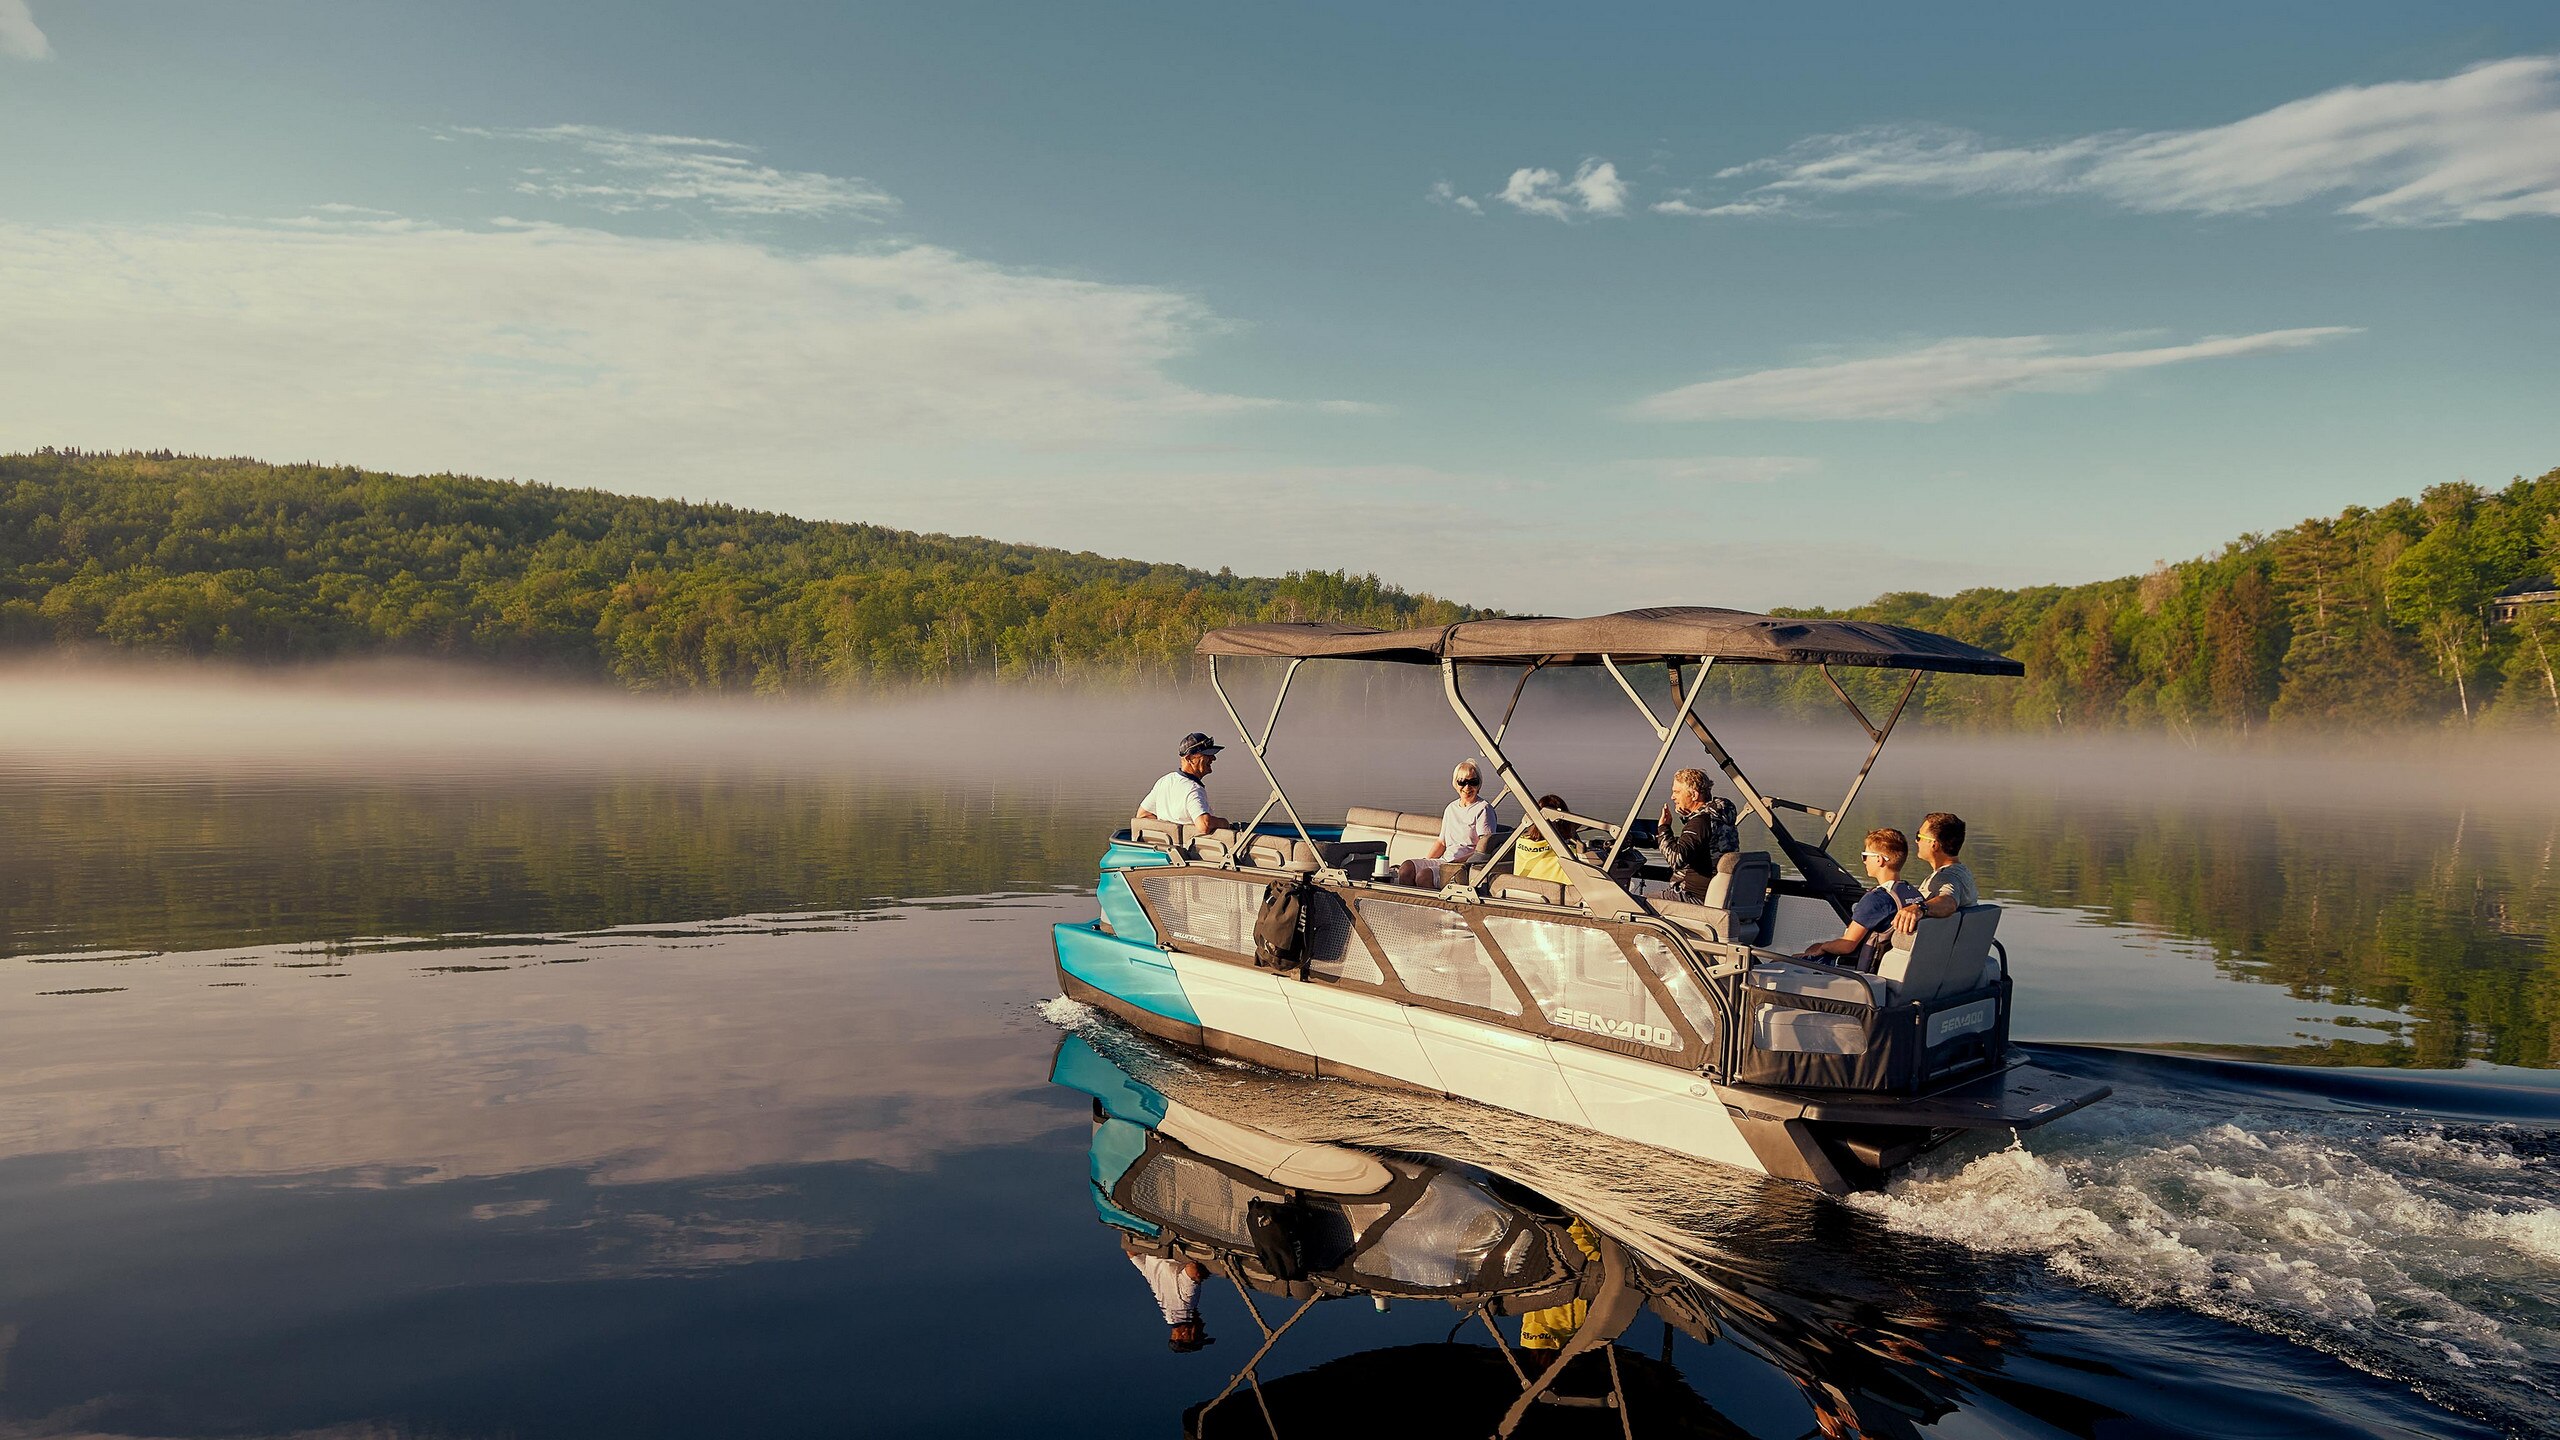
x,y
1604,1001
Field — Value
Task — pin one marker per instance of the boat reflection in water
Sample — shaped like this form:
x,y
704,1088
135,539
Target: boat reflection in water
x,y
1553,1299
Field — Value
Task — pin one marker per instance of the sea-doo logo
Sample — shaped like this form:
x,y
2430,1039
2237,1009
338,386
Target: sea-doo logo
x,y
1947,1024
1653,1035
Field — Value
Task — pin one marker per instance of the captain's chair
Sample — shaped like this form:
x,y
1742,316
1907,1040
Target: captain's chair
x,y
1736,896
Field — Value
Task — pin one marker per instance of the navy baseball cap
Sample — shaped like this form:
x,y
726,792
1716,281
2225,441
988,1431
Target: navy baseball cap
x,y
1196,743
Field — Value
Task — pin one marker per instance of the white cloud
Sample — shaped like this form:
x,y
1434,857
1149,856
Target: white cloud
x,y
621,171
19,37
1533,191
579,357
1939,379
1444,193
1594,189
1600,189
1723,469
1751,208
2480,145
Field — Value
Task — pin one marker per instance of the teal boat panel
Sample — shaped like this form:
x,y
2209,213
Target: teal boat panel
x,y
1139,974
1132,1109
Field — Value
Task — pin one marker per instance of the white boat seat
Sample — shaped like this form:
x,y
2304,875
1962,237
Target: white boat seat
x,y
1942,956
1797,977
1736,896
1406,834
1285,852
1218,846
1535,892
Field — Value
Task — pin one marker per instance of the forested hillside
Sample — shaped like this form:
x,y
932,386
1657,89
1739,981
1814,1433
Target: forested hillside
x,y
283,562
2372,619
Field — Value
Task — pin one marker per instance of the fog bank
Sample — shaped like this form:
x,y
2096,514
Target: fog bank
x,y
1376,735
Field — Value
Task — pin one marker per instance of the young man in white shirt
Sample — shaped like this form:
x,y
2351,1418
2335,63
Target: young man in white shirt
x,y
1179,796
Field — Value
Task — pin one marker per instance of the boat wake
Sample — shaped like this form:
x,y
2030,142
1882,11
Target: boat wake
x,y
2373,1217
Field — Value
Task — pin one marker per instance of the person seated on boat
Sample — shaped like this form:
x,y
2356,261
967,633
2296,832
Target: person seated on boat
x,y
1950,886
1180,796
1693,830
1176,1283
1861,943
1464,828
1533,858
1545,1333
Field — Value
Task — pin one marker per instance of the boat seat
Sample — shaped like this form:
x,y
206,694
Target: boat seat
x,y
1736,896
1406,834
1801,977
1534,892
1171,834
1218,846
1942,956
1285,852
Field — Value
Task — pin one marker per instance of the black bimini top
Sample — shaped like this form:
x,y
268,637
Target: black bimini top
x,y
1629,637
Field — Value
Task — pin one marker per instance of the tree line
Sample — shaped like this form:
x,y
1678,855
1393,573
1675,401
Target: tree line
x,y
149,551
2373,618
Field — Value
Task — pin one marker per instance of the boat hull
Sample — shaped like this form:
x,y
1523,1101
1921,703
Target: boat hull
x,y
1287,1024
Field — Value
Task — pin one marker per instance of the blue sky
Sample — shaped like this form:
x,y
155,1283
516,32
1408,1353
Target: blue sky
x,y
1553,308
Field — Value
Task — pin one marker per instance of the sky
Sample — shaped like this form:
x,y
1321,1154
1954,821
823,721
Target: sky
x,y
1557,309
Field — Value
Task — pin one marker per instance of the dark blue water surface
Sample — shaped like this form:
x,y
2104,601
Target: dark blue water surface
x,y
613,1106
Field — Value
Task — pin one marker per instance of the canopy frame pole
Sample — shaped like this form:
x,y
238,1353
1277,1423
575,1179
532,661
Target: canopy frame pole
x,y
1599,892
1259,748
1505,792
1878,736
1270,1338
1765,808
1669,735
1534,667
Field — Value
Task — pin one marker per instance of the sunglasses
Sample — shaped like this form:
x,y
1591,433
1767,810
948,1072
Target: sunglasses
x,y
1470,784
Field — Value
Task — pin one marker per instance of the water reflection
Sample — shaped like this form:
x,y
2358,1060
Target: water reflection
x,y
1641,1307
2300,928
807,1174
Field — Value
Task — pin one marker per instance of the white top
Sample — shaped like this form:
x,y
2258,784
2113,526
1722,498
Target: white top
x,y
1177,797
1464,827
1177,1291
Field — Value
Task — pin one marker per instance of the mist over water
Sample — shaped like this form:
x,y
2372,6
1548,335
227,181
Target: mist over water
x,y
627,991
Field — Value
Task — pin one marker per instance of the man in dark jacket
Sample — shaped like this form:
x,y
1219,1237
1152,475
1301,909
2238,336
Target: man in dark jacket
x,y
1694,830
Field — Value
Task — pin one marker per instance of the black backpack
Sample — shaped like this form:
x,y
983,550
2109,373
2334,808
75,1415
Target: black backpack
x,y
1280,931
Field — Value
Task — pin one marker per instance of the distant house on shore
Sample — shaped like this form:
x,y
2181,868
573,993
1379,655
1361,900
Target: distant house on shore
x,y
2523,595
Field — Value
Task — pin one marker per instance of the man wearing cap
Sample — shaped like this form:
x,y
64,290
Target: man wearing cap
x,y
1179,796
1176,1283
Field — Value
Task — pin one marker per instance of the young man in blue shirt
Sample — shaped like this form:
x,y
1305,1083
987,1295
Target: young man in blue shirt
x,y
1874,912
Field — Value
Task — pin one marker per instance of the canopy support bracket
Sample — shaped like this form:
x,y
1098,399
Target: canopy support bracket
x,y
1599,893
1813,862
1670,735
1260,748
1879,736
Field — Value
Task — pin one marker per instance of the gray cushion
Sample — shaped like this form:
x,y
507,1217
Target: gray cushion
x,y
1808,1032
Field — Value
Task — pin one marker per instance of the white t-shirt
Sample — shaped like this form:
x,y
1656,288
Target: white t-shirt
x,y
1463,828
1177,1290
1177,797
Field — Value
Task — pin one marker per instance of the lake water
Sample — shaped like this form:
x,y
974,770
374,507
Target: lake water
x,y
523,1086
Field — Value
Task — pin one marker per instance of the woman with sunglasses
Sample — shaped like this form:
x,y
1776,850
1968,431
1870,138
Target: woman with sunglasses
x,y
1464,828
